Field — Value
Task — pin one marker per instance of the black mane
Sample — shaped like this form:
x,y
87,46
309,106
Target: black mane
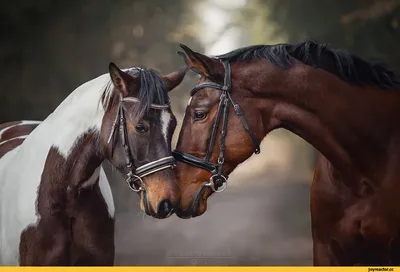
x,y
151,91
348,67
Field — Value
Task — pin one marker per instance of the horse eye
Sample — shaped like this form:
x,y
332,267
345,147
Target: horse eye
x,y
200,115
141,128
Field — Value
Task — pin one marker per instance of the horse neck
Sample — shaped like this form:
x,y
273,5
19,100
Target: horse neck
x,y
339,119
80,112
66,144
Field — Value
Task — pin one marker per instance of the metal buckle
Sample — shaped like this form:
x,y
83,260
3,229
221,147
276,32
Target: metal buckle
x,y
131,182
237,109
211,183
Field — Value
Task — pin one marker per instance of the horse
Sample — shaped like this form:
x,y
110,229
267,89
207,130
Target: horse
x,y
56,205
344,106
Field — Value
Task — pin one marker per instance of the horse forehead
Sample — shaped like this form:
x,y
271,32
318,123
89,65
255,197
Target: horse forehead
x,y
161,119
205,98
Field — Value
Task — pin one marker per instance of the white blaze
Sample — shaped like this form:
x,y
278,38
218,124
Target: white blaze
x,y
165,120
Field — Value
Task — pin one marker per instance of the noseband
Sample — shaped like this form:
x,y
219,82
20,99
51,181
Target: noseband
x,y
134,176
218,178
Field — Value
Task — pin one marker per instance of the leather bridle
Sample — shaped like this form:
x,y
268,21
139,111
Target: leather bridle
x,y
218,178
135,176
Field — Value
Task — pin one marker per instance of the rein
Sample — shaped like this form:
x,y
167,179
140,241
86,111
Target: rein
x,y
134,176
218,178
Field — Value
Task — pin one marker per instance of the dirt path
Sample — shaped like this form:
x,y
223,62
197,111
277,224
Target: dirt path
x,y
254,225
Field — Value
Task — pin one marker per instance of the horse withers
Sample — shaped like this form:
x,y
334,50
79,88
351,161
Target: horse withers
x,y
56,205
344,106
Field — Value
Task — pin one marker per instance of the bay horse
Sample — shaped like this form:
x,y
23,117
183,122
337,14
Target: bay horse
x,y
344,106
56,205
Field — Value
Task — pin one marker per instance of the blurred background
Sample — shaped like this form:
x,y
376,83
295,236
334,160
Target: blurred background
x,y
49,47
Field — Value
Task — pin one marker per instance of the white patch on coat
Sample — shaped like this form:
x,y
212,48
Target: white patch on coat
x,y
93,178
21,168
17,125
188,104
105,188
190,101
106,192
19,137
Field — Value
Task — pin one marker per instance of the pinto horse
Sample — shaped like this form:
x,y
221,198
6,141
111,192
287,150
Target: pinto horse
x,y
55,200
344,106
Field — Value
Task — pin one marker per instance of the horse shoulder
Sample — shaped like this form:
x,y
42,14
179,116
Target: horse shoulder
x,y
12,136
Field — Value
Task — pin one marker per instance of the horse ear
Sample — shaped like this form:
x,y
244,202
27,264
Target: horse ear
x,y
206,65
174,79
121,80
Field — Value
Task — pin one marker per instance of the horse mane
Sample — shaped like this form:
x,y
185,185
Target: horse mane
x,y
152,90
346,66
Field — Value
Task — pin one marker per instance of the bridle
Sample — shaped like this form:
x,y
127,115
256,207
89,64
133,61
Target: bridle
x,y
135,176
218,178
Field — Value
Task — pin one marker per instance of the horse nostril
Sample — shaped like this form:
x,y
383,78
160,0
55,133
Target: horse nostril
x,y
165,208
